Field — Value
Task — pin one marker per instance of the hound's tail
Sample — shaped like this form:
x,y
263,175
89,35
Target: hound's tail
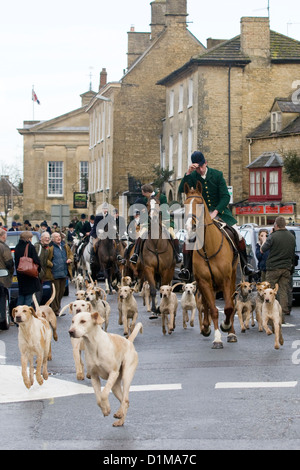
x,y
52,296
138,327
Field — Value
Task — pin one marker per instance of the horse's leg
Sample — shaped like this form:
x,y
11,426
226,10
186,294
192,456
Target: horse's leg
x,y
228,324
149,275
210,308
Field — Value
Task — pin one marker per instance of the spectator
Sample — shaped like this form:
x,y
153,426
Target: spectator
x,y
14,227
42,249
71,234
6,259
280,261
27,285
45,227
55,227
26,225
262,257
60,257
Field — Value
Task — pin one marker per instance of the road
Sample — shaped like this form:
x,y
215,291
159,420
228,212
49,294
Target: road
x,y
184,395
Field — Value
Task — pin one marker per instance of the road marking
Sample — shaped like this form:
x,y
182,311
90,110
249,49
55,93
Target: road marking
x,y
256,384
12,388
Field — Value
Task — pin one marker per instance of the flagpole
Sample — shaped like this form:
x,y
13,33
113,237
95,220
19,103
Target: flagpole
x,y
32,103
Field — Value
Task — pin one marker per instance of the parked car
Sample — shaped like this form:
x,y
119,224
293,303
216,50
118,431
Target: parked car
x,y
250,233
4,303
12,240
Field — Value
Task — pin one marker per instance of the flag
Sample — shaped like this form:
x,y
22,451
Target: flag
x,y
34,97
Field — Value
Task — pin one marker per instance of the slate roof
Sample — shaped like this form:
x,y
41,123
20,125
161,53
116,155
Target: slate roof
x,y
283,49
264,130
6,187
267,160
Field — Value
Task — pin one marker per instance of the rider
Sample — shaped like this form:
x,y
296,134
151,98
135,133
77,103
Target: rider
x,y
148,193
106,221
82,229
216,196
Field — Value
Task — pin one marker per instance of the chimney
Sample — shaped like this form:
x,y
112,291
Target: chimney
x,y
103,78
176,11
158,19
255,38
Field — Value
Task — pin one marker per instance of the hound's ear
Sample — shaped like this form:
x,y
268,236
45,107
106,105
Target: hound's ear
x,y
13,313
90,308
97,318
186,188
32,311
71,307
86,283
276,288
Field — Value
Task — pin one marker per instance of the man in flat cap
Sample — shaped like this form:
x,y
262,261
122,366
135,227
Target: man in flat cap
x,y
216,196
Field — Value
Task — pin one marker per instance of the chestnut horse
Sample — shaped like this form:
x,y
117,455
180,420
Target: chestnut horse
x,y
214,264
157,255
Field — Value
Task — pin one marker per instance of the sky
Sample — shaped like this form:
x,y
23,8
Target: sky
x,y
60,46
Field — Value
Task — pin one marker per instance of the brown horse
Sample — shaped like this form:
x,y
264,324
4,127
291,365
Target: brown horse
x,y
157,255
214,264
108,264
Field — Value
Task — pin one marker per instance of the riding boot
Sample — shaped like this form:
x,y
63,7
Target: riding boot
x,y
246,268
134,258
185,272
175,246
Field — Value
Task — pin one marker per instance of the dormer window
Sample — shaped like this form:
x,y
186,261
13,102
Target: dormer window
x,y
276,121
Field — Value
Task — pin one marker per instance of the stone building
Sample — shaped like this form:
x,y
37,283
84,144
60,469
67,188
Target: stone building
x,y
56,159
216,99
139,104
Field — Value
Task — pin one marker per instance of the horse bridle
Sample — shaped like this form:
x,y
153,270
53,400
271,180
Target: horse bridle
x,y
194,217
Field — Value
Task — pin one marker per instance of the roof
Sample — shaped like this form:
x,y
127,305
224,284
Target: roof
x,y
264,129
287,106
267,160
6,187
283,49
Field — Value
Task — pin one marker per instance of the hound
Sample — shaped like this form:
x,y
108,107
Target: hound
x,y
259,299
45,311
168,308
272,312
34,339
129,309
244,304
110,357
145,293
188,303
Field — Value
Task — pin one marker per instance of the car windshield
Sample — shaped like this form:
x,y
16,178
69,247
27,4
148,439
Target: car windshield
x,y
12,240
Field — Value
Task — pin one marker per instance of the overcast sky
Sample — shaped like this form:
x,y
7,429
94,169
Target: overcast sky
x,y
55,46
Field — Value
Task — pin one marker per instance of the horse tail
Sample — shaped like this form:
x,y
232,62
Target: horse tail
x,y
138,327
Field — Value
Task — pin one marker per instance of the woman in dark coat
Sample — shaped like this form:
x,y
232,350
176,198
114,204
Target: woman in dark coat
x,y
27,285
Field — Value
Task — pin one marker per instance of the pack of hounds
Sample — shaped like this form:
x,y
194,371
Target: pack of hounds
x,y
113,357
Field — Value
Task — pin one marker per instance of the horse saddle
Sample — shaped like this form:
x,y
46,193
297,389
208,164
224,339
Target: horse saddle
x,y
229,232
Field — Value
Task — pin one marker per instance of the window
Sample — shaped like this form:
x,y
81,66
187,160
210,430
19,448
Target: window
x,y
179,156
276,122
55,179
190,146
191,92
265,183
83,176
171,103
171,152
180,102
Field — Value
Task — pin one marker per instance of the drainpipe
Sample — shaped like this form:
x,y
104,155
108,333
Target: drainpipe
x,y
250,157
229,127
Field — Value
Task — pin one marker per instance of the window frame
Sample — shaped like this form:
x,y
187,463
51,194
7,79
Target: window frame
x,y
55,178
260,195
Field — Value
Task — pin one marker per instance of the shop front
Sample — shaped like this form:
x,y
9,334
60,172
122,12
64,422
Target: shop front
x,y
265,213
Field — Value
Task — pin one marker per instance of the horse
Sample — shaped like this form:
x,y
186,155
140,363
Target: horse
x,y
157,255
107,258
214,264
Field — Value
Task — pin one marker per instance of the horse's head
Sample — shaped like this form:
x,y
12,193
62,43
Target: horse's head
x,y
194,205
